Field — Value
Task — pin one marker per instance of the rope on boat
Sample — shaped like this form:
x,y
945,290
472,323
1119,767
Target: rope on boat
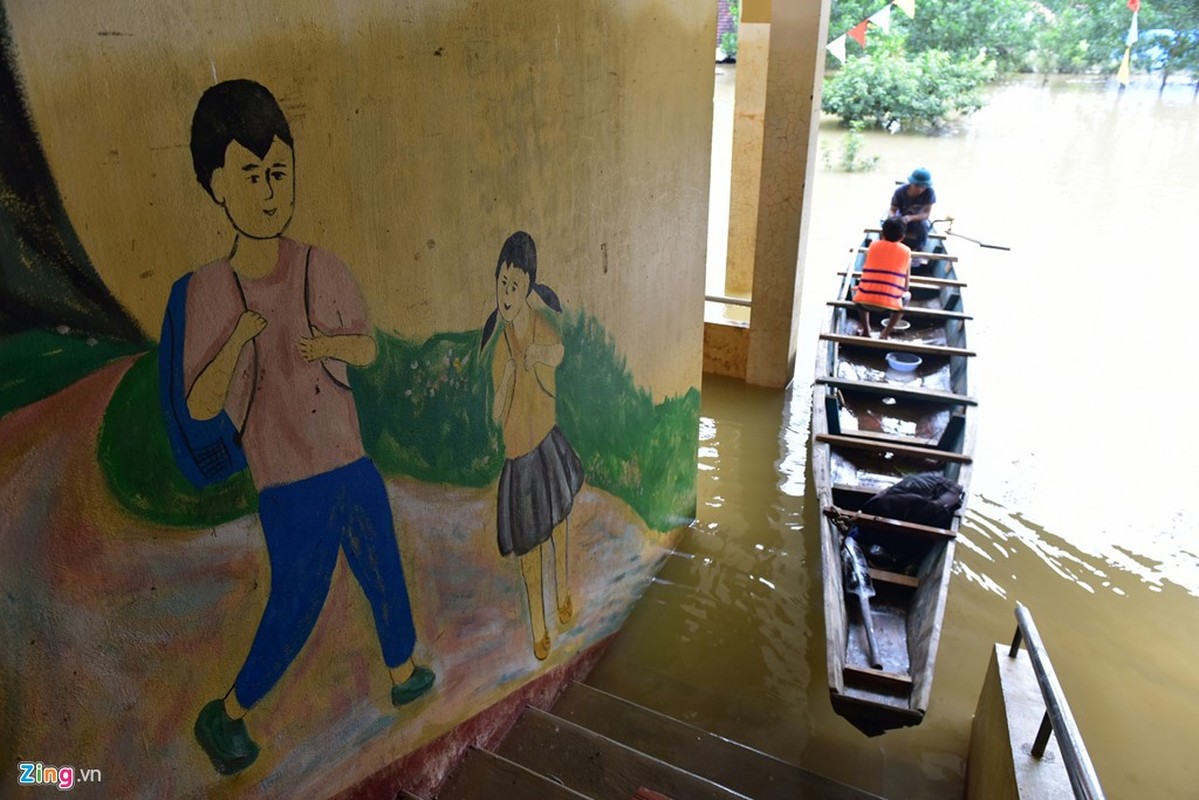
x,y
842,520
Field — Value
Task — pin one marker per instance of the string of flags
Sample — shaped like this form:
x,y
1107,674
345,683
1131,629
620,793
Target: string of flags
x,y
1122,75
880,18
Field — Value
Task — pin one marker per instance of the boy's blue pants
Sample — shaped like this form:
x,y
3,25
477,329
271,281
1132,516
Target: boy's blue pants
x,y
305,524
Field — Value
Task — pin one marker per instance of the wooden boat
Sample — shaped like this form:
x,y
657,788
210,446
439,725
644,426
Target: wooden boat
x,y
871,426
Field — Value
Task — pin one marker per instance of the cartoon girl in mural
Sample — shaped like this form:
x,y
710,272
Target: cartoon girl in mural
x,y
541,473
269,332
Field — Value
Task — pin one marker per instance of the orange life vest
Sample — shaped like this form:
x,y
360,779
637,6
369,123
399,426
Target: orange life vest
x,y
884,275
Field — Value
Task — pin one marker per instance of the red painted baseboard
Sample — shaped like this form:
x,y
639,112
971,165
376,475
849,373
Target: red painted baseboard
x,y
423,771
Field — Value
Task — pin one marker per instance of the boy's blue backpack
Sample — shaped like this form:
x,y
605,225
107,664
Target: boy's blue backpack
x,y
206,451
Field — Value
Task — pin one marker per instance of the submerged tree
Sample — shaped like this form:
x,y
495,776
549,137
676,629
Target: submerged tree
x,y
922,92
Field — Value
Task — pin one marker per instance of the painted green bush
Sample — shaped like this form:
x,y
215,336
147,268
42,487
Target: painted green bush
x,y
424,410
135,457
643,453
35,364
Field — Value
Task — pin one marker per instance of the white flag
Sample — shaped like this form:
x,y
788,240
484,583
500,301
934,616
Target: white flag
x,y
837,48
882,18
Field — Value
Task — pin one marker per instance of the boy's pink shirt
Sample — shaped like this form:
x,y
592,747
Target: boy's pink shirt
x,y
301,422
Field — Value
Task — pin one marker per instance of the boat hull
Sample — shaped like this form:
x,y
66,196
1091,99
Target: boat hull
x,y
872,426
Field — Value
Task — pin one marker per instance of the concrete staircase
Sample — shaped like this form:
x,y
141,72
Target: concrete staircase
x,y
596,746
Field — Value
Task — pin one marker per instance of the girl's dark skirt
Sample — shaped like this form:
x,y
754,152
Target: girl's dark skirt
x,y
536,493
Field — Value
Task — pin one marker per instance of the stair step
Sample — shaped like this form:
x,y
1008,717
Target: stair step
x,y
597,766
483,774
725,762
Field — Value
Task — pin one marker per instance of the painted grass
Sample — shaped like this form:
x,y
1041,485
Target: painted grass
x,y
424,410
35,364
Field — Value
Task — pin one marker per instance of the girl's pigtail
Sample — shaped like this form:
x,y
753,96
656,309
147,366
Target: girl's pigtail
x,y
488,330
548,297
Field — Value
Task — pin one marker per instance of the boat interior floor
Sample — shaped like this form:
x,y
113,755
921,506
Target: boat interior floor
x,y
871,365
872,415
889,617
922,331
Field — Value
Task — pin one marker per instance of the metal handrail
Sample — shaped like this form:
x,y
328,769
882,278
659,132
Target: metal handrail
x,y
731,301
1058,718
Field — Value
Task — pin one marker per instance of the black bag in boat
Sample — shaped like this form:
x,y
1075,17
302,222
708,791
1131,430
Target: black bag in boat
x,y
927,498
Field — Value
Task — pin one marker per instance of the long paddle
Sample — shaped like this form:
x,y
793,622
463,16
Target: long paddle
x,y
857,581
949,232
980,244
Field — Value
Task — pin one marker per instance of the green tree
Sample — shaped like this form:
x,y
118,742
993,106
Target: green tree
x,y
851,159
922,92
1061,42
998,28
962,28
1071,36
1169,51
728,39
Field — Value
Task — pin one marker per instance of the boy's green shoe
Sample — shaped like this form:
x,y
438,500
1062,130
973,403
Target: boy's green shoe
x,y
224,739
417,684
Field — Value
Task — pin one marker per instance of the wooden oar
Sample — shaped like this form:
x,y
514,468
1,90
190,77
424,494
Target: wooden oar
x,y
981,244
857,582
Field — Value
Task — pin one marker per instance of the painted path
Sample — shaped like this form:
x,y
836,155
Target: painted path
x,y
155,622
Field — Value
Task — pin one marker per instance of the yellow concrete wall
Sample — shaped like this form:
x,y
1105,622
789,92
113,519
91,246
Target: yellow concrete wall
x,y
425,133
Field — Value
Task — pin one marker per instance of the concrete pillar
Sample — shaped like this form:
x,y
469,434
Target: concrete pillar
x,y
795,71
749,106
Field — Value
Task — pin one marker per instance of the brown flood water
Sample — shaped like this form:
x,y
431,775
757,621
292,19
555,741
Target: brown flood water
x,y
1085,499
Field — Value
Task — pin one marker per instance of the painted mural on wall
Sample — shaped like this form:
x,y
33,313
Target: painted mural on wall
x,y
268,332
541,473
280,547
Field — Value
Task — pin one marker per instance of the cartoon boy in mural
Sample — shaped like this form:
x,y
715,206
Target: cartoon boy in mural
x,y
270,330
541,473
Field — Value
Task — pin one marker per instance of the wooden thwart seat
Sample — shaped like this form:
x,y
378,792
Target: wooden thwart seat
x,y
926,531
856,675
893,438
920,280
931,453
893,578
931,234
916,254
890,390
910,311
860,491
895,344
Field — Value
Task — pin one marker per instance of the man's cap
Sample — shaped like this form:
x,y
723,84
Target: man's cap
x,y
921,177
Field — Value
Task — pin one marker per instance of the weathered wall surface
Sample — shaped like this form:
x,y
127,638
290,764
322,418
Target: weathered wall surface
x,y
424,135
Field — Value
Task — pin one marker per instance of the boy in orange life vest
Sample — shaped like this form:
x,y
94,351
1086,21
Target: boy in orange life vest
x,y
884,282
